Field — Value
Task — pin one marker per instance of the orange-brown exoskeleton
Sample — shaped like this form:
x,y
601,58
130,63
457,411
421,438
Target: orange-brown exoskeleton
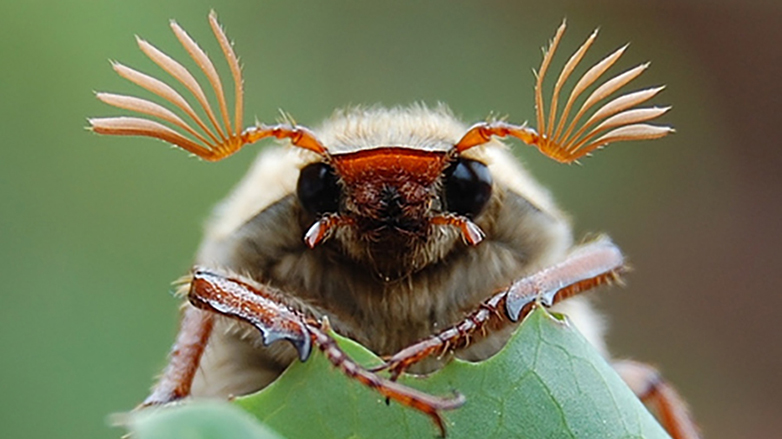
x,y
398,226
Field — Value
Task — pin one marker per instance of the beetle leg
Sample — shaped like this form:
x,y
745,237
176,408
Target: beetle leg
x,y
265,309
653,390
185,356
593,264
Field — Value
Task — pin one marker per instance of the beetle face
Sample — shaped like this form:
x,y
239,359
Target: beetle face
x,y
386,199
390,194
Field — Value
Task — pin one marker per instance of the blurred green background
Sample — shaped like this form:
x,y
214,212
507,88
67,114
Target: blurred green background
x,y
94,229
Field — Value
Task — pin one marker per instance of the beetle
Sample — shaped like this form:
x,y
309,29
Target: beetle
x,y
396,227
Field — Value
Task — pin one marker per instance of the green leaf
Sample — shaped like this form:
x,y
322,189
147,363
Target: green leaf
x,y
198,420
548,382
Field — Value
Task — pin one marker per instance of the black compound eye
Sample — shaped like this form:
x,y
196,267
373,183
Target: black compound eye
x,y
317,189
467,187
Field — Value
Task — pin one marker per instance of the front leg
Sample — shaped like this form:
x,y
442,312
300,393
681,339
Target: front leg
x,y
593,264
266,309
586,267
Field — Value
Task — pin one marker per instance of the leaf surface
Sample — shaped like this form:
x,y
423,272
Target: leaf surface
x,y
548,382
198,420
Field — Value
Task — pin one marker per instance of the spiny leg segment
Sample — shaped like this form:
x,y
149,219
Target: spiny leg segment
x,y
590,265
617,120
266,310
